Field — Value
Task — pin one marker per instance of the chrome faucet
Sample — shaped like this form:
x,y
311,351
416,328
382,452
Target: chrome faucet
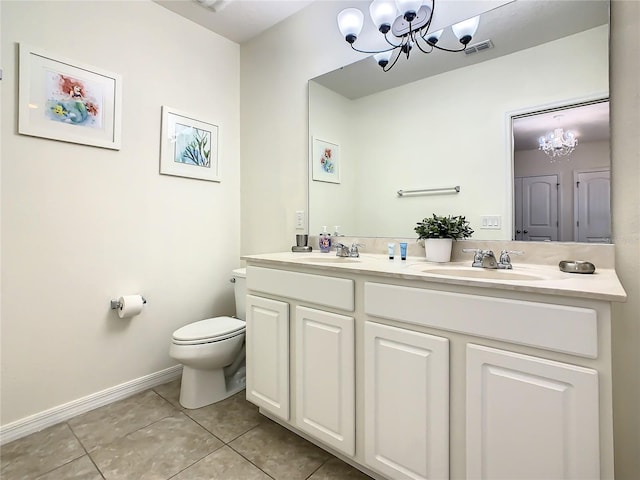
x,y
505,259
487,259
343,251
353,251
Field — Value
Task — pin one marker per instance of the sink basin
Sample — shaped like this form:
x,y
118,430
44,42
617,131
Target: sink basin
x,y
331,259
482,273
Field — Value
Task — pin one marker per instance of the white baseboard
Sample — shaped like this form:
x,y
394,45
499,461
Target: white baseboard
x,y
35,423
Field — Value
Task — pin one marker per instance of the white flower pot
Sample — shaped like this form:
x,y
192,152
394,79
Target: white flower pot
x,y
438,249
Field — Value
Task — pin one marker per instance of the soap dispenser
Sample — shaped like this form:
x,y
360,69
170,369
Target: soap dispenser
x,y
325,240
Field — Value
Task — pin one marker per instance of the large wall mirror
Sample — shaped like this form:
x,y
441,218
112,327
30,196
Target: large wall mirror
x,y
446,120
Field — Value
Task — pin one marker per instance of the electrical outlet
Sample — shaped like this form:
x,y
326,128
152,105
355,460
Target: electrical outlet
x,y
491,222
299,219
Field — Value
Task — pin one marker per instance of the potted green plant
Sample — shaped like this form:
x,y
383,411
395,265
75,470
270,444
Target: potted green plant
x,y
439,232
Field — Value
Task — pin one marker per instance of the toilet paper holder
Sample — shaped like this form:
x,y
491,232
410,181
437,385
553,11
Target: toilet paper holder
x,y
115,304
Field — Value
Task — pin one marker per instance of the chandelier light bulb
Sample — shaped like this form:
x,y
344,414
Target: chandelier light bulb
x,y
350,21
383,58
466,29
432,38
383,13
408,8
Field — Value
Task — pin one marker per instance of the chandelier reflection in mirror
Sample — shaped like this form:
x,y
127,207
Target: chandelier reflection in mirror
x,y
405,25
558,143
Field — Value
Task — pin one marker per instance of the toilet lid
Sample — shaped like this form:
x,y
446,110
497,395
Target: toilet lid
x,y
209,329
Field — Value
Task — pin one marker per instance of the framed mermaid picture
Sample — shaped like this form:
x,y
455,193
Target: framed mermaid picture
x,y
62,99
325,160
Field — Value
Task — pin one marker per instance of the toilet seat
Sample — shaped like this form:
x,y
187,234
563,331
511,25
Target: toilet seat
x,y
209,331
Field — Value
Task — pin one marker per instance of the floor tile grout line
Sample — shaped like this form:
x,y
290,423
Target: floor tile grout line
x,y
204,428
102,445
176,410
180,408
223,444
199,460
319,467
59,466
69,461
209,431
247,459
276,423
252,428
86,451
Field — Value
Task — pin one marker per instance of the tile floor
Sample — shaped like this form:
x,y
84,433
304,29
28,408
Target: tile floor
x,y
150,436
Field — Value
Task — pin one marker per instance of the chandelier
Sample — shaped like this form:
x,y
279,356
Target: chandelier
x,y
405,25
558,143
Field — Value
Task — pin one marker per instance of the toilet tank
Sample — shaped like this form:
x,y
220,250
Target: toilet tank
x,y
240,290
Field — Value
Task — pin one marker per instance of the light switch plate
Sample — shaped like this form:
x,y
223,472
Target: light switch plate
x,y
491,222
299,219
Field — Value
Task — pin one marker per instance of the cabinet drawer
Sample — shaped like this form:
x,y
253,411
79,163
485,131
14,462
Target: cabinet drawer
x,y
560,328
320,290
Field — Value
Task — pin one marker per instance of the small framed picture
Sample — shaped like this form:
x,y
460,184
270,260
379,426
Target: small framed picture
x,y
62,99
189,147
325,161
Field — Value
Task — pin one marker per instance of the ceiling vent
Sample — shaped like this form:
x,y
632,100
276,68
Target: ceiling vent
x,y
479,47
215,5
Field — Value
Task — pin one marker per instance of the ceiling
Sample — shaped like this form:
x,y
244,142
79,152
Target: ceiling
x,y
237,20
589,123
510,28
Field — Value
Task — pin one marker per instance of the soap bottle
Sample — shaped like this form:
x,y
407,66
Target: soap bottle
x,y
325,240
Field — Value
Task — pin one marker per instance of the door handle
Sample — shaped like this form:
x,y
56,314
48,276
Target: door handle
x,y
518,231
526,231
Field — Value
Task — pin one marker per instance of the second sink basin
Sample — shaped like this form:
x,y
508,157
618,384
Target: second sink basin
x,y
482,273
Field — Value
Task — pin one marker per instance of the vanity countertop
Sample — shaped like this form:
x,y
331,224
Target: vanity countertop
x,y
533,278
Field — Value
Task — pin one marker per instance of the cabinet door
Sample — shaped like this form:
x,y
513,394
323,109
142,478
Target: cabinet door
x,y
406,403
325,377
268,355
528,417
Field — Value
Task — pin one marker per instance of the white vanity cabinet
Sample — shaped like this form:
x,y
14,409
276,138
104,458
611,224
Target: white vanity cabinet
x,y
410,377
267,347
302,370
406,402
528,417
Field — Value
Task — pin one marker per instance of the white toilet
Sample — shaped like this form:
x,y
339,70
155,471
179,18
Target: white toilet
x,y
213,354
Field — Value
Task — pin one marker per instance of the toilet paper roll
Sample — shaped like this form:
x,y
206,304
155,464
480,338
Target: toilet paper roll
x,y
130,306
